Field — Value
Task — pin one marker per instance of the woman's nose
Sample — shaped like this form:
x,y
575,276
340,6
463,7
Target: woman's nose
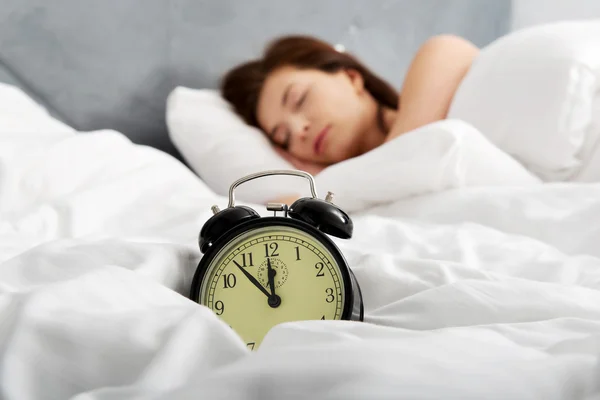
x,y
302,130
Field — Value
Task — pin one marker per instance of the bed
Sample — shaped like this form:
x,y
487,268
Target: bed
x,y
479,279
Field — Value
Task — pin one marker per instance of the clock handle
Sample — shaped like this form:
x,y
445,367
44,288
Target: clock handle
x,y
250,177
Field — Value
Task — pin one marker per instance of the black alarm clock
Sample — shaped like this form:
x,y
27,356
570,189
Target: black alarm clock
x,y
257,272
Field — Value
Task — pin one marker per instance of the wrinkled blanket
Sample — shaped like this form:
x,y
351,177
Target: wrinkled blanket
x,y
478,280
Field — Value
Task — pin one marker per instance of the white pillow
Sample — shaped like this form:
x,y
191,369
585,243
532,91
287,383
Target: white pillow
x,y
534,94
221,148
443,155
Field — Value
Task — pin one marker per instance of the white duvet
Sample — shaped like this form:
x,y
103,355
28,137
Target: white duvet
x,y
478,280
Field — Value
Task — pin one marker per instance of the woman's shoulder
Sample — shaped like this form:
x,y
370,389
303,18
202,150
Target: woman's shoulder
x,y
446,47
446,42
433,76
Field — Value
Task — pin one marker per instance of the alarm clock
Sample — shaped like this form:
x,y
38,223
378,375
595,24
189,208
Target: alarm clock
x,y
257,272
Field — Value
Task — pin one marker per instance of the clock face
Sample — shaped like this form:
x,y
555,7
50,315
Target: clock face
x,y
270,275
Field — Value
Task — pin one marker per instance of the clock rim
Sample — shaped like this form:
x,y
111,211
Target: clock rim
x,y
351,287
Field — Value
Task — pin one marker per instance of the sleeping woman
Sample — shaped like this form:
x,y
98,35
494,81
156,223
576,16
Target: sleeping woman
x,y
320,106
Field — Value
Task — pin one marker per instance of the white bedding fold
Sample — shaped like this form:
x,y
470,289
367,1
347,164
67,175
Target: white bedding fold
x,y
440,156
478,281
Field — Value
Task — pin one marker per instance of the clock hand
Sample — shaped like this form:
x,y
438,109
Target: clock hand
x,y
271,273
274,300
252,279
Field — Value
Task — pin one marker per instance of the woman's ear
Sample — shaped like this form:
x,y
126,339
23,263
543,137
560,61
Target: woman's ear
x,y
356,79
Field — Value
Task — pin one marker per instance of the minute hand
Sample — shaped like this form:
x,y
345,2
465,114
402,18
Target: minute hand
x,y
252,279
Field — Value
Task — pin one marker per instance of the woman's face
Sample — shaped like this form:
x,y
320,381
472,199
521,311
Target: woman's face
x,y
316,116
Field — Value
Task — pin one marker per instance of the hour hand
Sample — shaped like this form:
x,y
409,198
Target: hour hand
x,y
274,300
252,279
271,273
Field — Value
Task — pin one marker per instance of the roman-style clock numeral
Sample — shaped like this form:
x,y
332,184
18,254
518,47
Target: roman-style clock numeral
x,y
297,253
323,318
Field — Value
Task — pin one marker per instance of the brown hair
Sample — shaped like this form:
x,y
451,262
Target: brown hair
x,y
241,86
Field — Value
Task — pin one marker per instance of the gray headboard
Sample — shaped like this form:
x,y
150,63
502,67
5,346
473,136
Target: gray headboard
x,y
111,64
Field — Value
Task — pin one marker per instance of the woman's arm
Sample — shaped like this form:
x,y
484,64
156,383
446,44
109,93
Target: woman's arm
x,y
431,81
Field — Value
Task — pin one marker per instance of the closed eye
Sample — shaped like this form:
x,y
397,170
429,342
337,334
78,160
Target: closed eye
x,y
301,100
286,143
281,138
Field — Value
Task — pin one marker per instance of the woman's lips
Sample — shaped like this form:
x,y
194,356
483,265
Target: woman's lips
x,y
318,145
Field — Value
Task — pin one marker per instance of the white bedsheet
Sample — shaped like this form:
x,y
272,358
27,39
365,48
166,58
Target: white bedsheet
x,y
471,290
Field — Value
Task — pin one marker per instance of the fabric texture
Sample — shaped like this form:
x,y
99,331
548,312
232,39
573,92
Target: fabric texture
x,y
538,88
484,285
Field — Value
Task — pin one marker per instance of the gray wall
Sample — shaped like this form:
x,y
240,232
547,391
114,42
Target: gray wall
x,y
111,63
531,12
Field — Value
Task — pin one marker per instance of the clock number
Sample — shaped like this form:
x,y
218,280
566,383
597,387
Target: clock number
x,y
297,253
220,307
273,246
319,266
246,262
330,296
323,318
251,262
229,281
251,345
